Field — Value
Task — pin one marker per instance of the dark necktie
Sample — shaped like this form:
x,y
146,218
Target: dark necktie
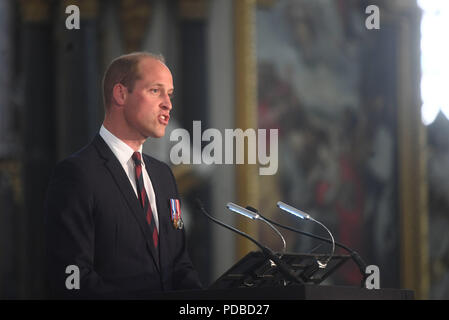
x,y
143,198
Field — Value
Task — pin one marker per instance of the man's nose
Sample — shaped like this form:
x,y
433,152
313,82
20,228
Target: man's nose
x,y
166,103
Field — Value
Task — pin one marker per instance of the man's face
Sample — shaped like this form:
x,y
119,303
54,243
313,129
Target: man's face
x,y
147,107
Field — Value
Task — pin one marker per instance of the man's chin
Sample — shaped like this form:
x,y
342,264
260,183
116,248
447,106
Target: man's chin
x,y
156,135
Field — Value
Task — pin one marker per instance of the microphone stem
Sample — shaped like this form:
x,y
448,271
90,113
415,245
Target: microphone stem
x,y
284,247
324,264
230,228
354,255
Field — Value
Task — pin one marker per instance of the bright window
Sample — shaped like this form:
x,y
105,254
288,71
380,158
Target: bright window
x,y
434,59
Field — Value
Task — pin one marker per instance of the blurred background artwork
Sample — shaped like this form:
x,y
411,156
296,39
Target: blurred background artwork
x,y
362,118
337,140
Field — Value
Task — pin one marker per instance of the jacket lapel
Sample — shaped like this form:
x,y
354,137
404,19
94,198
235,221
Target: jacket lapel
x,y
156,180
122,181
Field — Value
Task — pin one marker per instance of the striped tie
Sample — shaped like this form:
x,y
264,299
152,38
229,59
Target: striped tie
x,y
143,198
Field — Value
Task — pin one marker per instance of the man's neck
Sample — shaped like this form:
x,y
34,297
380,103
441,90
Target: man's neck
x,y
123,134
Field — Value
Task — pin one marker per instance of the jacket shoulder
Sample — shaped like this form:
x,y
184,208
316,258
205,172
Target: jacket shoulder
x,y
162,168
155,162
79,162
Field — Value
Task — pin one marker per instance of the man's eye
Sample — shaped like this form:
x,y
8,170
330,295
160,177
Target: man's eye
x,y
154,90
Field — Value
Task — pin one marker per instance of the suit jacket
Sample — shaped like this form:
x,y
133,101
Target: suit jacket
x,y
94,221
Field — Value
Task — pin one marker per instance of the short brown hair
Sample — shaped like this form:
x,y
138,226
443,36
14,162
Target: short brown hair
x,y
124,70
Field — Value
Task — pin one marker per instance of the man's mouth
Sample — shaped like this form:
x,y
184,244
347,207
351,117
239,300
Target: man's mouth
x,y
164,119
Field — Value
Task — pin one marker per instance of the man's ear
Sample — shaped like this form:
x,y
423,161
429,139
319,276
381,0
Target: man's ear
x,y
119,94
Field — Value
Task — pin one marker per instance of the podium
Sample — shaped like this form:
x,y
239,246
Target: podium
x,y
291,293
255,270
255,277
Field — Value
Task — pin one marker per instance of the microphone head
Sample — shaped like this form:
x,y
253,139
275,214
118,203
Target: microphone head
x,y
292,210
252,209
244,212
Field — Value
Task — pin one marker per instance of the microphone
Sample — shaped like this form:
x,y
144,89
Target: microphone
x,y
293,210
354,254
269,254
253,215
303,215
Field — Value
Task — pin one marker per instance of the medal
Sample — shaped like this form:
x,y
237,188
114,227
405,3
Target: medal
x,y
175,214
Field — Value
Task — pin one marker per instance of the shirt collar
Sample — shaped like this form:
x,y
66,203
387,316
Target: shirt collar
x,y
121,150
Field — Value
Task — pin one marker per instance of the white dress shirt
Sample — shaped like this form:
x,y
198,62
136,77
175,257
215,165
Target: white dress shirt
x,y
124,153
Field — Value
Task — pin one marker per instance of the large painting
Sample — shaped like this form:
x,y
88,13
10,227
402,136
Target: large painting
x,y
332,97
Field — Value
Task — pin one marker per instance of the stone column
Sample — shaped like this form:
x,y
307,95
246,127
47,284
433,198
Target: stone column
x,y
38,134
6,63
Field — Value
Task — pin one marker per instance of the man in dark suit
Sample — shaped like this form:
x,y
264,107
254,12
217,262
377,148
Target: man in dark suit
x,y
111,211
